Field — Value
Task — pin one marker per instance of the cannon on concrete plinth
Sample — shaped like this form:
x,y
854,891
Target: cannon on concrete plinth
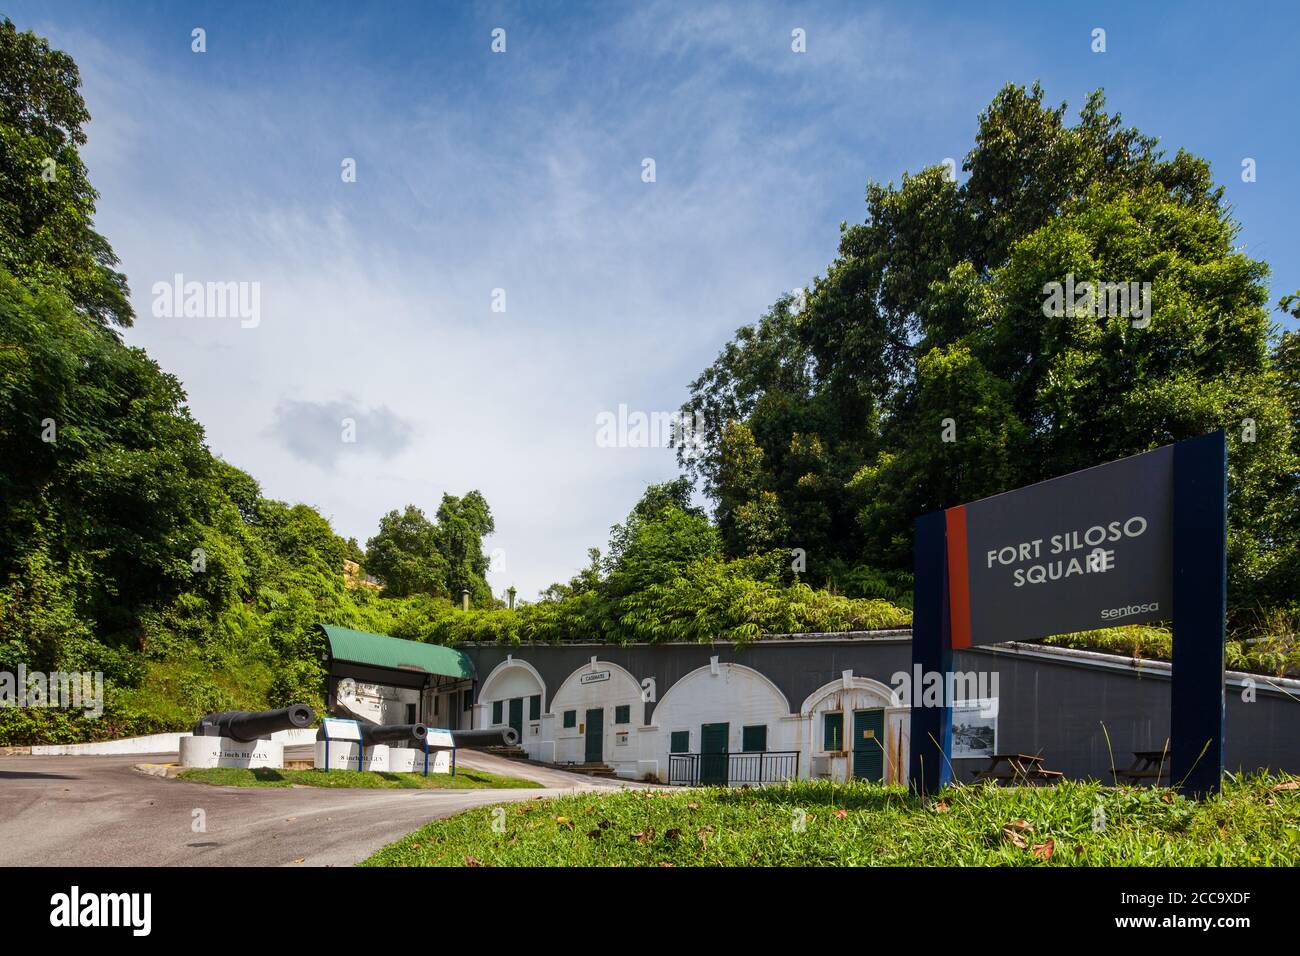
x,y
343,744
242,738
249,725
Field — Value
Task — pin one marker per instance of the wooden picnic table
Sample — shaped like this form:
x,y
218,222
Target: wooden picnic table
x,y
1017,768
1147,765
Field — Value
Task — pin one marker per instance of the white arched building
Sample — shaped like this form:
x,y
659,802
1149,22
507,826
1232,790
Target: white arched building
x,y
725,709
854,727
722,722
598,717
807,705
514,695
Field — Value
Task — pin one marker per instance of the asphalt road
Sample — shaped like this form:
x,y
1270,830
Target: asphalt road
x,y
99,811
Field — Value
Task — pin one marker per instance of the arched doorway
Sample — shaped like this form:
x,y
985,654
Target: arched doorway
x,y
514,695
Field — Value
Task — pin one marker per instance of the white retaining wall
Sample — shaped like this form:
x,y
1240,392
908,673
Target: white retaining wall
x,y
155,744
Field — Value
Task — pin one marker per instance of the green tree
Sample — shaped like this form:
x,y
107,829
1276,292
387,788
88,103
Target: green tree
x,y
404,554
663,533
780,444
47,205
966,435
934,310
463,523
103,464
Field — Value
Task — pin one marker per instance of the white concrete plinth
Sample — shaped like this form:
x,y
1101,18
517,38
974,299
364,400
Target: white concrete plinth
x,y
344,753
410,760
224,752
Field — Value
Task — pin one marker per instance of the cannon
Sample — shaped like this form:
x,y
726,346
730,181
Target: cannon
x,y
477,739
249,725
409,734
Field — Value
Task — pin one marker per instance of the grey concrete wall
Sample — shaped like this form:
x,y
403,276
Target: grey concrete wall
x,y
1066,710
1060,707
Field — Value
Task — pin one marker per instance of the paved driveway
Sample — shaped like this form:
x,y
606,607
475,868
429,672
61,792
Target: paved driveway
x,y
99,811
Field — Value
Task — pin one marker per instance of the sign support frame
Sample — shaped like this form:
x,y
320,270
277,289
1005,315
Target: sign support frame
x,y
1200,547
930,763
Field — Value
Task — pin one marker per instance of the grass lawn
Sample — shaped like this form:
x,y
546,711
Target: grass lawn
x,y
265,777
1255,822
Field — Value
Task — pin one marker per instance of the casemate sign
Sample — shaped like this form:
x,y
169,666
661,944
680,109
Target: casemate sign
x,y
1090,549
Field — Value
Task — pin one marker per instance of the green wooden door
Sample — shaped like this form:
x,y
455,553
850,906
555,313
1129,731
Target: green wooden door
x,y
517,716
713,753
869,744
595,736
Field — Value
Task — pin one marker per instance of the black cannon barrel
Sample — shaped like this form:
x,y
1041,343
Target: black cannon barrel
x,y
496,737
249,725
393,734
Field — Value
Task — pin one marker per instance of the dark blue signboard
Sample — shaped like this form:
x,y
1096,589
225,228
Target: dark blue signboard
x,y
1141,539
1090,549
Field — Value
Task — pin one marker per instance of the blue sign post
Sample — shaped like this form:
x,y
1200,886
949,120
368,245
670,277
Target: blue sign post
x,y
1141,539
930,766
1200,547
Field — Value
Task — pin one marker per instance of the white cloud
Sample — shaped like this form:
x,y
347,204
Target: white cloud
x,y
376,295
323,432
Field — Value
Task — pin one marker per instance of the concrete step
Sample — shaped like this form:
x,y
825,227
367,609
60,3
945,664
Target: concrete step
x,y
590,769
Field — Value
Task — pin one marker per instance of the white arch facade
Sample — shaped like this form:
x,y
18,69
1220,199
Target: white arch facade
x,y
513,675
514,679
738,696
597,716
845,696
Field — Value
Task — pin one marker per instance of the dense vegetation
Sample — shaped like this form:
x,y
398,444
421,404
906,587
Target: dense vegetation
x,y
825,425
1254,822
127,548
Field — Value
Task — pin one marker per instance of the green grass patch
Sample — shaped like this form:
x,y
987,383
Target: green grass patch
x,y
1255,821
174,688
464,779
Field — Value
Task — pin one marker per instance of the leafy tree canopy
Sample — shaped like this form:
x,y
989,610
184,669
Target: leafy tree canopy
x,y
924,370
47,204
413,555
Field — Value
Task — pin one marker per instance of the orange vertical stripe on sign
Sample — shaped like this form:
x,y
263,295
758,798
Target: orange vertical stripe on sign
x,y
958,577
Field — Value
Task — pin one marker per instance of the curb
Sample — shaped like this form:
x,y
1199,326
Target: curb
x,y
167,770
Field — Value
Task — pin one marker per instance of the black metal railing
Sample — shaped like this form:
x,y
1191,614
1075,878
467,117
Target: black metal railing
x,y
733,769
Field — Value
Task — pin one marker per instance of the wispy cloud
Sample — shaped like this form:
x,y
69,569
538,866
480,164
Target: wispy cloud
x,y
522,174
519,172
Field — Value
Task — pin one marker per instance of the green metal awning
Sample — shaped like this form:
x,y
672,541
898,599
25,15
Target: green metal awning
x,y
395,653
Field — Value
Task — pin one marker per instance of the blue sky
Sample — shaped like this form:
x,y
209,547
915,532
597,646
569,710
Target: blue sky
x,y
522,171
